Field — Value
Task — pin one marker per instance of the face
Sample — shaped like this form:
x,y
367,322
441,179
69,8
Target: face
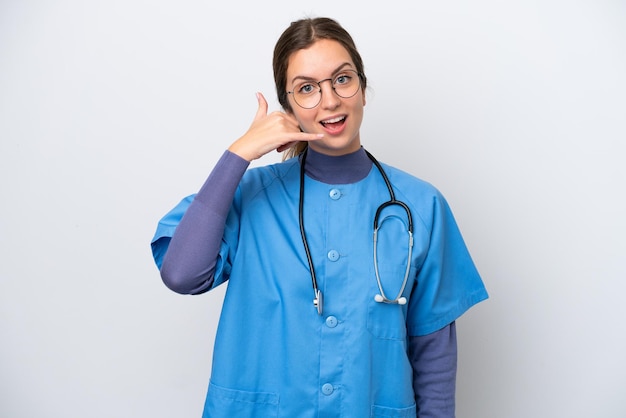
x,y
339,119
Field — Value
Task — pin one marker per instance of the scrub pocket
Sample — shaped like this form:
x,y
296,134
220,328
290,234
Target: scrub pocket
x,y
388,320
384,412
228,403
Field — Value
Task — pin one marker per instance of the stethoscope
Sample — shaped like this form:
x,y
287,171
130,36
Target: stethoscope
x,y
381,297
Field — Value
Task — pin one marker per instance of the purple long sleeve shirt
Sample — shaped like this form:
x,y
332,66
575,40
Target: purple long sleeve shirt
x,y
189,264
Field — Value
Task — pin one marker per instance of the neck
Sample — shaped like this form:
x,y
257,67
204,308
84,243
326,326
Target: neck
x,y
342,169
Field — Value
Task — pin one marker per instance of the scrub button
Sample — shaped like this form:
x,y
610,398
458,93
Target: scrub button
x,y
333,255
331,322
335,194
327,389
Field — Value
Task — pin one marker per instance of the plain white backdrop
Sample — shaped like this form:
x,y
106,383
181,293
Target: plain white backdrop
x,y
110,112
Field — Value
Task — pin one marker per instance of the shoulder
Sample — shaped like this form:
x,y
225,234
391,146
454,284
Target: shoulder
x,y
409,185
263,177
426,201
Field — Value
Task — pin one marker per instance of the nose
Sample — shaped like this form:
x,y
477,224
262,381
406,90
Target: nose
x,y
329,99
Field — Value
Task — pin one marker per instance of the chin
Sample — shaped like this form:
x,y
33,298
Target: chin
x,y
335,147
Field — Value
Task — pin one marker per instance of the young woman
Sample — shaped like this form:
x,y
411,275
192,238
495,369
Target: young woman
x,y
345,275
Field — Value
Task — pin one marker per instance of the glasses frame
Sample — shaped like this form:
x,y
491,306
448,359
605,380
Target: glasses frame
x,y
332,85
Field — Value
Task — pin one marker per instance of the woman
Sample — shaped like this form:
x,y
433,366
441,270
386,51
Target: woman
x,y
319,319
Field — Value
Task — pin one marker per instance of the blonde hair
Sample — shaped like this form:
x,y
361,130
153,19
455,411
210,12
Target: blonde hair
x,y
296,150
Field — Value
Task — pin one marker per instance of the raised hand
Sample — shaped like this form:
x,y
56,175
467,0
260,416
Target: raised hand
x,y
268,132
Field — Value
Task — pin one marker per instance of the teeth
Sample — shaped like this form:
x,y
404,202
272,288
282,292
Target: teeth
x,y
334,120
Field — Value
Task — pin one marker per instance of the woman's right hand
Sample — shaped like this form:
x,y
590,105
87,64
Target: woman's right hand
x,y
276,131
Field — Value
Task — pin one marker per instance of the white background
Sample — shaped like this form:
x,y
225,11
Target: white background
x,y
110,112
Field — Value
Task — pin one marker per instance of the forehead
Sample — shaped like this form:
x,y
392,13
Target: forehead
x,y
319,60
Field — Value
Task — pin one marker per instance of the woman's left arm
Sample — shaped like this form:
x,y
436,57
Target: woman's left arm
x,y
434,361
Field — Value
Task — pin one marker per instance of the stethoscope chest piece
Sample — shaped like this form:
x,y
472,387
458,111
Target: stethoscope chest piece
x,y
319,301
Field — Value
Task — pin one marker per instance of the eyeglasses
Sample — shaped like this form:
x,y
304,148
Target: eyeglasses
x,y
308,94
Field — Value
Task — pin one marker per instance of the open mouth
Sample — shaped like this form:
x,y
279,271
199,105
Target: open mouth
x,y
333,123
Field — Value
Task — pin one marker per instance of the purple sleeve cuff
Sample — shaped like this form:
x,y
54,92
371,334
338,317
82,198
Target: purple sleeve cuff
x,y
434,361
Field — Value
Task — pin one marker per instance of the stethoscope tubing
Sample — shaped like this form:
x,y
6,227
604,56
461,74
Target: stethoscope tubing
x,y
382,297
318,299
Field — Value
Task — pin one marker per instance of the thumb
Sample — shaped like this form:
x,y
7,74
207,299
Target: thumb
x,y
262,110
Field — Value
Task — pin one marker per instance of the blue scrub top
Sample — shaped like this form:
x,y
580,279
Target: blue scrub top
x,y
274,356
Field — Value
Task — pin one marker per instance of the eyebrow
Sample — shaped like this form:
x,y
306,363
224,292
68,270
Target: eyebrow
x,y
306,78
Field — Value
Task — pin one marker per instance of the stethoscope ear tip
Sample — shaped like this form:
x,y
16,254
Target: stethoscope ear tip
x,y
400,301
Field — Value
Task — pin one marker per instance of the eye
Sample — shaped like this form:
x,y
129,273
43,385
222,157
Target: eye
x,y
342,79
306,88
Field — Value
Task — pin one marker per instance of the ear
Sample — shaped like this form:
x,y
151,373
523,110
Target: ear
x,y
289,112
293,115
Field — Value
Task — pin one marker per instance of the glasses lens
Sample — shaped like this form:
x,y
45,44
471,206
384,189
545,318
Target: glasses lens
x,y
346,84
307,95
